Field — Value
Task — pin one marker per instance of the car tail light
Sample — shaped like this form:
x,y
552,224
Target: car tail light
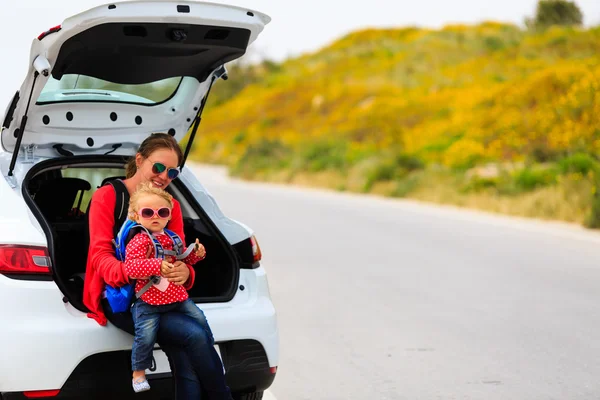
x,y
256,253
24,260
38,394
249,252
49,31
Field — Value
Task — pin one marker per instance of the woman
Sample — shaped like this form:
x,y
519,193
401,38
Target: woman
x,y
190,347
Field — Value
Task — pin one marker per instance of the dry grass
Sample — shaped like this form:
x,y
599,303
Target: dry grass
x,y
323,179
568,201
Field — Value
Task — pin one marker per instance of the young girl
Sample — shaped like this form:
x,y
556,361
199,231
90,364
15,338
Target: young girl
x,y
151,207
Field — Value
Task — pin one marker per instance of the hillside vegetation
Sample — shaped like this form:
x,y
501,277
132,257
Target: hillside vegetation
x,y
489,116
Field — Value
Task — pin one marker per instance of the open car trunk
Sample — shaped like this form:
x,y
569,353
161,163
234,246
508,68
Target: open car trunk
x,y
59,191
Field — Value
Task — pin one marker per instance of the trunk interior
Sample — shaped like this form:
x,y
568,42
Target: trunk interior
x,y
59,192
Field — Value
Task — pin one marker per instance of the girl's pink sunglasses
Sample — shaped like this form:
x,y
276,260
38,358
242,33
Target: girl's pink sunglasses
x,y
147,213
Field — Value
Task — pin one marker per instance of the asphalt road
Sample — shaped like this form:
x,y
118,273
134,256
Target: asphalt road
x,y
386,299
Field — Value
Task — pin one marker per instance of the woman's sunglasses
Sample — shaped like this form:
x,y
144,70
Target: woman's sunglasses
x,y
159,168
147,213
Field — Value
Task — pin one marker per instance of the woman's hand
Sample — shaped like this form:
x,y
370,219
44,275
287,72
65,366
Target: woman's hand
x,y
179,274
200,250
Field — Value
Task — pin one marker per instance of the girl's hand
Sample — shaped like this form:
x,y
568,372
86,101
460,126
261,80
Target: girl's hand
x,y
179,274
200,250
165,268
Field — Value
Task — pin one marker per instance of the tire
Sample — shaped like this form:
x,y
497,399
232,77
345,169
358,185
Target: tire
x,y
248,396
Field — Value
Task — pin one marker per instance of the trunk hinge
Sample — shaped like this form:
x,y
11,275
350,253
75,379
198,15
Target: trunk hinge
x,y
220,73
29,153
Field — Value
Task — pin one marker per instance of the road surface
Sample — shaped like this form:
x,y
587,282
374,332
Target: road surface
x,y
387,299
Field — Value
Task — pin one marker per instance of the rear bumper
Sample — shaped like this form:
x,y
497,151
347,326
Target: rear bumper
x,y
107,375
102,376
49,339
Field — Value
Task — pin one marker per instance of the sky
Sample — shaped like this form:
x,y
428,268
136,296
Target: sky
x,y
297,26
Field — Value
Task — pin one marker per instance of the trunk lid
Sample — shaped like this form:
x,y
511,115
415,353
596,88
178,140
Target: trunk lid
x,y
106,78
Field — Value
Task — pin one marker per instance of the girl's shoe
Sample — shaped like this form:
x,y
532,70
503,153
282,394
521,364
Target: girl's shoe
x,y
140,385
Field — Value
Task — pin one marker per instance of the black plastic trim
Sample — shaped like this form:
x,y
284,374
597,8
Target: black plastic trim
x,y
246,365
11,110
105,52
104,376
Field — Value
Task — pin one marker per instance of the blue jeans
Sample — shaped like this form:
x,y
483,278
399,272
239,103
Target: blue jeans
x,y
146,319
188,341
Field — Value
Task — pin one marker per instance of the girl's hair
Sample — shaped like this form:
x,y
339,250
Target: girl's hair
x,y
146,189
155,141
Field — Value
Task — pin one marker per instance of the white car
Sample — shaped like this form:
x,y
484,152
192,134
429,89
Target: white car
x,y
96,86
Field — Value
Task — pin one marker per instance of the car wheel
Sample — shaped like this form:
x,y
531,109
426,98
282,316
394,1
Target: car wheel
x,y
248,396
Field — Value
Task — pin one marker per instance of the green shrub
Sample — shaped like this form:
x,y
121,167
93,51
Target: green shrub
x,y
384,170
239,137
477,184
581,163
266,154
390,167
323,155
493,43
406,185
409,162
531,178
593,219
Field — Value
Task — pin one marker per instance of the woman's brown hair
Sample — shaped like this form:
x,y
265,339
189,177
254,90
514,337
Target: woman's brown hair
x,y
155,141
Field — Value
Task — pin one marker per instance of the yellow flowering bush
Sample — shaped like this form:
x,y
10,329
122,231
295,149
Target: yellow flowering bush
x,y
457,97
464,154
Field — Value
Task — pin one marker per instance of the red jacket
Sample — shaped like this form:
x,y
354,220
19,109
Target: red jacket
x,y
102,266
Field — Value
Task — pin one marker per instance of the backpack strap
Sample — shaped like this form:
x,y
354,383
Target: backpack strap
x,y
151,281
177,242
178,246
122,205
159,251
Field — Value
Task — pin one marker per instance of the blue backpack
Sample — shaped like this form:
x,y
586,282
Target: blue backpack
x,y
121,298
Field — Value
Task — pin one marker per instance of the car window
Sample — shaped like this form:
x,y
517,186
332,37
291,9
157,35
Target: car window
x,y
95,176
76,88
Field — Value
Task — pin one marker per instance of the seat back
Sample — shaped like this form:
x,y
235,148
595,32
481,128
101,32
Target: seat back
x,y
59,198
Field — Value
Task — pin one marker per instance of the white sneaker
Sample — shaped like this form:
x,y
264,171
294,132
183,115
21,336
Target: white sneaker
x,y
140,385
